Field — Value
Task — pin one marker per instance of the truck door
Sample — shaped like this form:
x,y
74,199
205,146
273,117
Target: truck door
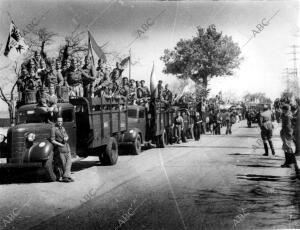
x,y
70,126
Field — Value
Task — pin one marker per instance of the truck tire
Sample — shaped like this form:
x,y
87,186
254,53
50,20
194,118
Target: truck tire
x,y
110,156
183,136
49,168
136,147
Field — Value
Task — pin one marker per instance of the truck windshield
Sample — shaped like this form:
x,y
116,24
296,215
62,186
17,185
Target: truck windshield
x,y
132,113
35,116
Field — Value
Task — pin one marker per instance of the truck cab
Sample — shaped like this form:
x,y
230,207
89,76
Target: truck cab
x,y
144,126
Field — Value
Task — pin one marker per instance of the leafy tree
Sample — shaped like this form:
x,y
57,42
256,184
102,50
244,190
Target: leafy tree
x,y
209,54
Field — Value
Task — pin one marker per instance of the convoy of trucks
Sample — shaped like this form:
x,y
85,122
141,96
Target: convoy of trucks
x,y
96,127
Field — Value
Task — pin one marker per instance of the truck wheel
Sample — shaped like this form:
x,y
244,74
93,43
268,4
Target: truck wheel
x,y
110,157
137,145
183,137
49,168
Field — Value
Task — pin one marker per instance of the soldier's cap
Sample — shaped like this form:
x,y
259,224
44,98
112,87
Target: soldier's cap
x,y
142,81
160,81
131,80
125,78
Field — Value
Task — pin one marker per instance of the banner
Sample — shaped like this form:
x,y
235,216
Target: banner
x,y
125,61
153,82
15,46
94,50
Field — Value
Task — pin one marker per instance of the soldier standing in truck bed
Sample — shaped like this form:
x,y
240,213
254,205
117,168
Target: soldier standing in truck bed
x,y
54,77
146,91
88,77
124,90
74,79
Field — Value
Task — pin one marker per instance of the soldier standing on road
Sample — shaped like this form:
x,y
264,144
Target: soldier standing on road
x,y
266,128
197,126
286,135
228,122
59,139
178,126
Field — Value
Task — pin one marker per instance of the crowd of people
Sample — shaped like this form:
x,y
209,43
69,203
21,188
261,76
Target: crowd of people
x,y
40,74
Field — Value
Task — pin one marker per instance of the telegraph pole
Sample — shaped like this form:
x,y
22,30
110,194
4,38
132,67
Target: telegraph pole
x,y
294,72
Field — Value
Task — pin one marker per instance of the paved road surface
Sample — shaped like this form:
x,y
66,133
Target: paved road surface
x,y
220,182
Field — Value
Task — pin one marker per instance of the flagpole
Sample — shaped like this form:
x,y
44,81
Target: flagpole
x,y
129,76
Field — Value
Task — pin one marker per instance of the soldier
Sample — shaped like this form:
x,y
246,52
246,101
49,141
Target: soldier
x,y
37,59
286,135
197,126
158,91
132,90
59,139
167,94
52,100
88,78
42,72
54,77
116,73
124,91
228,119
178,126
21,83
74,79
139,90
266,127
146,91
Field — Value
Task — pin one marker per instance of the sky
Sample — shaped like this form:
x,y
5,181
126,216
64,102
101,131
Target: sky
x,y
117,22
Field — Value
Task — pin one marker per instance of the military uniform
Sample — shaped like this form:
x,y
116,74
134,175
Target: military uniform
x,y
54,78
88,77
286,135
266,127
75,82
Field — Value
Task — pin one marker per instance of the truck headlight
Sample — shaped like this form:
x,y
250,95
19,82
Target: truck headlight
x,y
31,137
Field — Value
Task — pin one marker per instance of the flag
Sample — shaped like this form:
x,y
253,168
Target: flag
x,y
15,46
153,82
125,61
94,50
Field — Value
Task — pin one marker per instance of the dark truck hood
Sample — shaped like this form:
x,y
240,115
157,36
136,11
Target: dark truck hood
x,y
16,138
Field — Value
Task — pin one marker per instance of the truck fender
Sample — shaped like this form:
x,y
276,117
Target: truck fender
x,y
40,151
131,134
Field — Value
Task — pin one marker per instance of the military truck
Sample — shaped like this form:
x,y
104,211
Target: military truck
x,y
146,125
94,127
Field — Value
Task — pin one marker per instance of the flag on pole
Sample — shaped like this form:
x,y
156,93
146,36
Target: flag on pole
x,y
125,61
94,50
153,82
15,46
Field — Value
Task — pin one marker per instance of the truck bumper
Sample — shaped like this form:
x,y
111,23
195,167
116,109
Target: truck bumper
x,y
21,165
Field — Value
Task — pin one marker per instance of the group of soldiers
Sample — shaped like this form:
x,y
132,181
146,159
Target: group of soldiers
x,y
39,74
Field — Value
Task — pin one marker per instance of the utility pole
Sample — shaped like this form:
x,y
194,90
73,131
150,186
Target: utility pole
x,y
294,72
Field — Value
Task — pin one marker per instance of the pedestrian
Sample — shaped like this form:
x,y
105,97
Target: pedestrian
x,y
286,135
266,128
59,139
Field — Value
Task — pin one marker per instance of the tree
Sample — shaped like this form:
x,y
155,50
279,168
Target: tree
x,y
209,54
7,89
41,38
